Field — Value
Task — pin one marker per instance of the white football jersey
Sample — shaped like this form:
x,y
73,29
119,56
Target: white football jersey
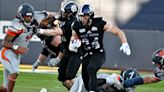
x,y
22,34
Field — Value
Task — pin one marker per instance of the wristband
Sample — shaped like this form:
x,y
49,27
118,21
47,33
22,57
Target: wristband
x,y
15,47
41,31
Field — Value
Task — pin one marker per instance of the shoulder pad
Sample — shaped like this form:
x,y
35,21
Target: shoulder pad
x,y
16,25
98,18
75,23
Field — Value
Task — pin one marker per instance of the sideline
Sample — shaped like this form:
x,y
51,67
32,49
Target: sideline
x,y
47,69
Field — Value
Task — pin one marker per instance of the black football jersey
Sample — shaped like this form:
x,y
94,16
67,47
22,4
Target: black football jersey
x,y
67,30
91,36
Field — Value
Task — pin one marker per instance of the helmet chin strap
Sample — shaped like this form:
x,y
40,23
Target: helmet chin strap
x,y
28,24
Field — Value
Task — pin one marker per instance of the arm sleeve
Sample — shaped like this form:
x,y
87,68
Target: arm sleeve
x,y
103,23
133,82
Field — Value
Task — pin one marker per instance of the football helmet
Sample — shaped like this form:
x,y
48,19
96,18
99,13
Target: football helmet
x,y
158,58
69,9
26,13
129,73
86,9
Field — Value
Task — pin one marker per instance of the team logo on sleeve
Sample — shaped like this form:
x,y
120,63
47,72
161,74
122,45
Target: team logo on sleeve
x,y
82,30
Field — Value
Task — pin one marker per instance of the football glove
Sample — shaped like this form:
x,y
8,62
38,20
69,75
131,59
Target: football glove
x,y
125,48
74,45
53,62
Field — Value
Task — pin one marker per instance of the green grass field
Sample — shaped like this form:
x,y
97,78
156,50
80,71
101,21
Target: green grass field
x,y
33,82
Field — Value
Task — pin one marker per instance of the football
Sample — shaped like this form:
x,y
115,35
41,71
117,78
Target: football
x,y
43,90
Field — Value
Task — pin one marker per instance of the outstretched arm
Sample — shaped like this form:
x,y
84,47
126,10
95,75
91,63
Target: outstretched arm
x,y
116,31
140,80
121,35
51,32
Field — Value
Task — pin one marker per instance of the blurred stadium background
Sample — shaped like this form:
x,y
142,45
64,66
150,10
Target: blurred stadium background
x,y
142,21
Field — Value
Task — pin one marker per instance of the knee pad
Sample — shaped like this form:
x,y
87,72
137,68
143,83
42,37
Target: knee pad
x,y
70,76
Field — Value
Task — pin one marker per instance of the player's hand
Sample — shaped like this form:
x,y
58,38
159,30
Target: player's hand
x,y
22,50
35,65
125,48
74,45
56,23
53,62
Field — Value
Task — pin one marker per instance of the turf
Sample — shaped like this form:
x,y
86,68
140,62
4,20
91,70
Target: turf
x,y
33,82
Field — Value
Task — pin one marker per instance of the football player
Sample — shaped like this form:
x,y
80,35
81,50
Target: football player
x,y
89,31
71,61
51,45
125,82
15,45
158,62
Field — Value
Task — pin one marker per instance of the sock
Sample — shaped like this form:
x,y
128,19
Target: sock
x,y
11,84
3,89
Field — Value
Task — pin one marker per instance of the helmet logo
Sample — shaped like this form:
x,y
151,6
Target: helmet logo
x,y
91,8
28,14
73,8
131,74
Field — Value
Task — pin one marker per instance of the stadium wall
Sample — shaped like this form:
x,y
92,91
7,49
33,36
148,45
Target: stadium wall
x,y
142,21
143,44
